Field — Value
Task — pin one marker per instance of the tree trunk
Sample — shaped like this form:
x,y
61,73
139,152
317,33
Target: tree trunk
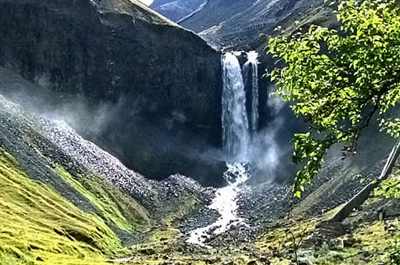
x,y
363,195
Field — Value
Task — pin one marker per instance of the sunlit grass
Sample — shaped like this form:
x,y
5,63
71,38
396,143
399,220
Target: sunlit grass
x,y
38,226
122,212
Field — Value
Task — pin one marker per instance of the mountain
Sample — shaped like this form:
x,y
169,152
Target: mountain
x,y
105,104
177,9
137,74
238,23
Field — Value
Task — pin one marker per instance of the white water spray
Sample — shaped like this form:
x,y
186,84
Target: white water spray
x,y
235,125
250,70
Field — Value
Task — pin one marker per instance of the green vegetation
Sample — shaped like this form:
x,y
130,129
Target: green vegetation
x,y
390,188
114,207
293,233
162,238
340,79
163,243
38,226
366,243
371,242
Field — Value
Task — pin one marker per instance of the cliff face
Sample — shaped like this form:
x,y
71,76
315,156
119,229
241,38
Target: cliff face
x,y
154,76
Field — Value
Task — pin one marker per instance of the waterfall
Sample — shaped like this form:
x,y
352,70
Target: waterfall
x,y
236,142
235,125
250,72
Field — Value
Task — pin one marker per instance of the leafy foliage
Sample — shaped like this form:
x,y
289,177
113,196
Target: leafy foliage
x,y
394,253
390,188
340,79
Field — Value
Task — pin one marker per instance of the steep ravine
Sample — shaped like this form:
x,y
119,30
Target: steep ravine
x,y
63,201
149,92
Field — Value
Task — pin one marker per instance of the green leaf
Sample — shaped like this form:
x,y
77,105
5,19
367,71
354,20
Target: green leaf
x,y
335,88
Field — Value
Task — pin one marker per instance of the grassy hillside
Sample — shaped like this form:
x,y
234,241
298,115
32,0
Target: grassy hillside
x,y
38,226
55,210
113,206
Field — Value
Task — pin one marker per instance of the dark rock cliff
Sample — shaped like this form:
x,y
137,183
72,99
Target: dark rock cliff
x,y
154,82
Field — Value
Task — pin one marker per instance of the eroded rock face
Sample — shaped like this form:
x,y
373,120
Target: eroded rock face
x,y
160,83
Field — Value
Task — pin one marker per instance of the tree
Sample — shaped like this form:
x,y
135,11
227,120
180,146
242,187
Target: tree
x,y
340,79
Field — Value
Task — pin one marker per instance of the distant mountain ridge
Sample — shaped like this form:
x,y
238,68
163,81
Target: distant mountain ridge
x,y
231,22
176,9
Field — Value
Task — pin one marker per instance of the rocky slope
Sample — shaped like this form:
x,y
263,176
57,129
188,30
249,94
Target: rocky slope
x,y
177,9
140,75
50,199
63,200
237,23
247,16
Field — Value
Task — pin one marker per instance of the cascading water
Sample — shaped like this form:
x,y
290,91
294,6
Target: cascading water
x,y
225,203
250,71
236,142
235,125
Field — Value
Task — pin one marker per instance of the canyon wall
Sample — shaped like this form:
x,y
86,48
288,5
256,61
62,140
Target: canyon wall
x,y
157,85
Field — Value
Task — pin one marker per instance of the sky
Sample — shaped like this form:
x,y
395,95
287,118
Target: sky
x,y
147,2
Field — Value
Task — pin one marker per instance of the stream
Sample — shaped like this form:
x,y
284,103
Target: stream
x,y
225,203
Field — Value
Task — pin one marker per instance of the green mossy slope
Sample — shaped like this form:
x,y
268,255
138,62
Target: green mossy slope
x,y
113,206
38,226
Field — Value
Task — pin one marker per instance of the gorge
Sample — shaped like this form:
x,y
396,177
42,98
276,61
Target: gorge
x,y
127,137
